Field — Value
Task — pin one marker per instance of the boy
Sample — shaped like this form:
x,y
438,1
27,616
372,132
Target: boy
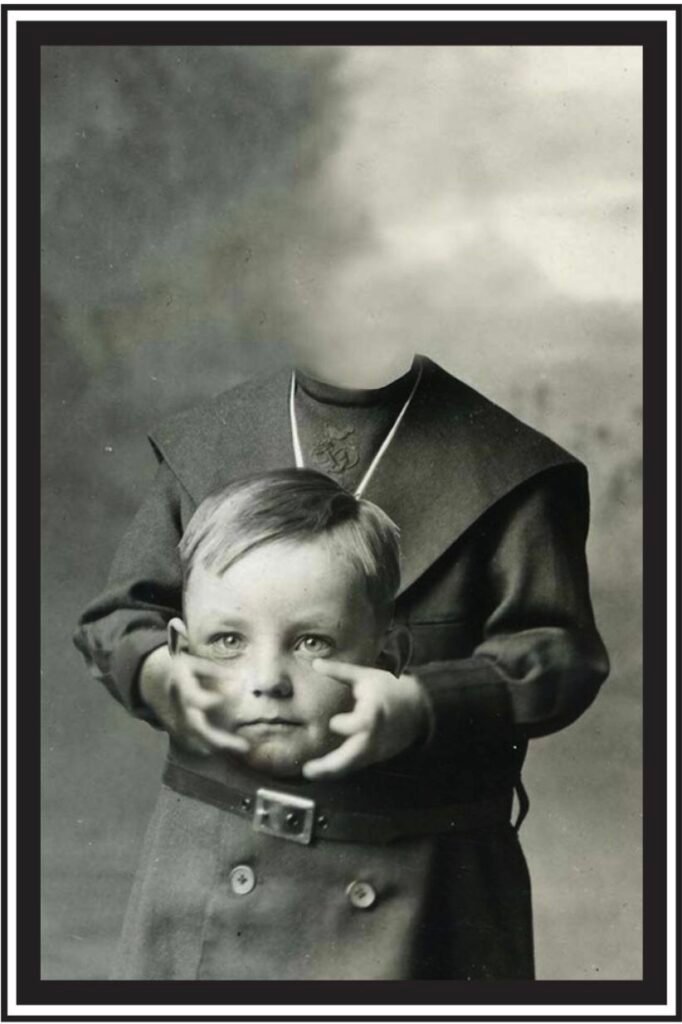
x,y
493,519
263,875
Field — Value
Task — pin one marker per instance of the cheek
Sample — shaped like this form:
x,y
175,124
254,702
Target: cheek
x,y
233,688
223,715
329,699
231,673
362,643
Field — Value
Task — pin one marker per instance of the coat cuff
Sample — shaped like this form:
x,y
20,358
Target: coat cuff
x,y
126,662
465,696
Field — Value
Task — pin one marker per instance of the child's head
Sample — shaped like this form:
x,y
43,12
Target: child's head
x,y
281,569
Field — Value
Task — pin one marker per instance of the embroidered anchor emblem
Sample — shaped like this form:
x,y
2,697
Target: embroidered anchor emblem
x,y
337,452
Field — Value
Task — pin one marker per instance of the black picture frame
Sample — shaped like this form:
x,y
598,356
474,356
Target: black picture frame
x,y
651,990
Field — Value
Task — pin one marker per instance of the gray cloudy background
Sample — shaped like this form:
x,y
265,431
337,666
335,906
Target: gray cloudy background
x,y
202,207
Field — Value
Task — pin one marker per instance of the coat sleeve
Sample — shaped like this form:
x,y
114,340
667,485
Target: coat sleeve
x,y
540,661
128,620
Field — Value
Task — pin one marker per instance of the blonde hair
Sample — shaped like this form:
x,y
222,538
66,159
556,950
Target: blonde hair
x,y
294,504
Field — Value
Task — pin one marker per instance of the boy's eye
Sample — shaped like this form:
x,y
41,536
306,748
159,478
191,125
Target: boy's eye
x,y
227,643
317,646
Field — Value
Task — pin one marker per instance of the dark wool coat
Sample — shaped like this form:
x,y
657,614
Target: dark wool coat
x,y
493,519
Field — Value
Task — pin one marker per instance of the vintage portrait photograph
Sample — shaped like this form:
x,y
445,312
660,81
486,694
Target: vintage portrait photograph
x,y
342,479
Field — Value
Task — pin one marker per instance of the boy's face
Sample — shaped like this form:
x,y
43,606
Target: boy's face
x,y
265,620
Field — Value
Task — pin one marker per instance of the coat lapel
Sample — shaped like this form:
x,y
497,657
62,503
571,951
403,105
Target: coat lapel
x,y
258,437
455,454
243,431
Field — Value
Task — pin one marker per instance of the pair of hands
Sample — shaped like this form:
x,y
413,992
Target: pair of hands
x,y
390,713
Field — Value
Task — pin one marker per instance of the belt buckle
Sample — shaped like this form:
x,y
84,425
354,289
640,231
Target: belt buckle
x,y
284,815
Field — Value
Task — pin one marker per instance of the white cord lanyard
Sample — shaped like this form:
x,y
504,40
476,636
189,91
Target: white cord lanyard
x,y
296,441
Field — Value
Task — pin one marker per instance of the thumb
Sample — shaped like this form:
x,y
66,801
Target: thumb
x,y
340,671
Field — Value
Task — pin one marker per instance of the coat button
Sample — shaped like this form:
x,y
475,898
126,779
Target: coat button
x,y
242,879
361,895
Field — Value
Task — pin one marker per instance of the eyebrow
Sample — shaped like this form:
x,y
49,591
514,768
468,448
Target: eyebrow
x,y
217,617
316,620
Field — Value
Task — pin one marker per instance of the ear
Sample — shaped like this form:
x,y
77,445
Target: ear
x,y
177,636
397,650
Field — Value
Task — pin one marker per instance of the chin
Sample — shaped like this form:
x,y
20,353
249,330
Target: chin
x,y
282,764
282,760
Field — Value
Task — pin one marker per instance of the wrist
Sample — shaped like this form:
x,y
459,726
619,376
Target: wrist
x,y
424,712
153,677
423,709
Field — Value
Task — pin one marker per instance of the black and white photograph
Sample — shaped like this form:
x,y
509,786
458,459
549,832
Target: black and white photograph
x,y
342,472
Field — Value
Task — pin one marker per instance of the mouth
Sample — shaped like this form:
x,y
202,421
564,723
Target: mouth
x,y
270,723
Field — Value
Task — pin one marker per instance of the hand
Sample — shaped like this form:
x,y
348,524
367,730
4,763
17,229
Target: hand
x,y
171,686
389,715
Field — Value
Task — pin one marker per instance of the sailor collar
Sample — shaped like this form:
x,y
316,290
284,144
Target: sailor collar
x,y
454,456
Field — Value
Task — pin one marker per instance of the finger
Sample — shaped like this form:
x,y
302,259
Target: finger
x,y
219,739
341,671
203,668
190,691
175,703
350,755
194,745
352,722
179,727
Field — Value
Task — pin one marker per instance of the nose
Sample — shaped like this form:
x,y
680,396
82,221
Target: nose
x,y
270,677
280,688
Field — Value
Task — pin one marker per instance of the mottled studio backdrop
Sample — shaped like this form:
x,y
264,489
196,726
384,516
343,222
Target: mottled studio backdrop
x,y
202,206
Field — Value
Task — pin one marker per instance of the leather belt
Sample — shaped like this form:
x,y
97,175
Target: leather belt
x,y
302,820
